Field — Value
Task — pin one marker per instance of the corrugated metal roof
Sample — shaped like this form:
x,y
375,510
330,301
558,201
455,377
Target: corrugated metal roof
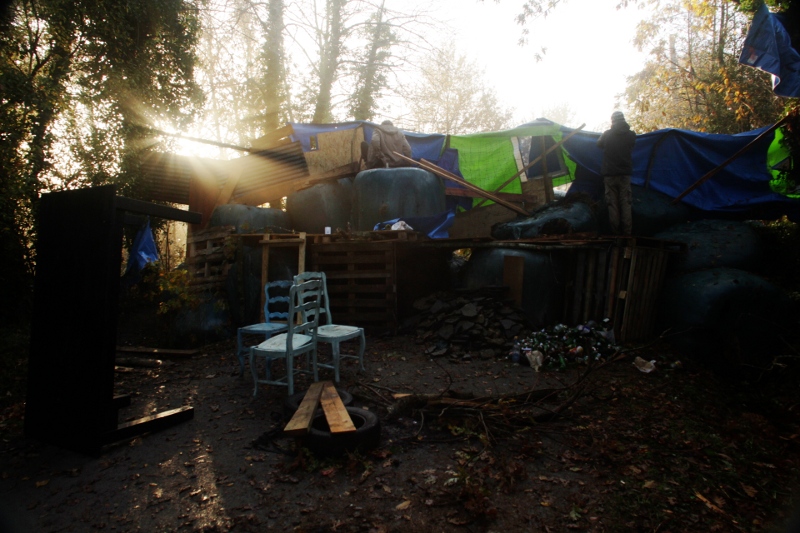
x,y
168,176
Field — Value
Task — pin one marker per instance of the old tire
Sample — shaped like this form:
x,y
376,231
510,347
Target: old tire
x,y
292,403
324,443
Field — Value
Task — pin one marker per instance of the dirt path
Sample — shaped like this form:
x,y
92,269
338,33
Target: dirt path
x,y
674,450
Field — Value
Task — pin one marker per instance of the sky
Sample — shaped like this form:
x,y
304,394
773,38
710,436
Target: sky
x,y
589,54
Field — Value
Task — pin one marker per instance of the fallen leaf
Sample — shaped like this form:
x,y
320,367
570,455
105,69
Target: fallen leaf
x,y
649,484
403,506
708,503
749,490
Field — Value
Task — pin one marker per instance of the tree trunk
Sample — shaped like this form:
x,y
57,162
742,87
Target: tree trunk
x,y
329,60
365,96
274,57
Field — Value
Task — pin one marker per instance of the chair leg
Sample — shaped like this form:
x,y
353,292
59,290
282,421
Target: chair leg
x,y
239,353
253,371
314,364
290,373
361,351
335,351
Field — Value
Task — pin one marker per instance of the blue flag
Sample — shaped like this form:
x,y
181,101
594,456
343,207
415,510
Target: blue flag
x,y
768,47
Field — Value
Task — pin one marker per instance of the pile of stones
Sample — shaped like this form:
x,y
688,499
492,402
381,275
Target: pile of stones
x,y
465,324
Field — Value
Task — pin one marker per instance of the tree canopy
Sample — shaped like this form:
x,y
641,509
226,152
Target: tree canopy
x,y
80,82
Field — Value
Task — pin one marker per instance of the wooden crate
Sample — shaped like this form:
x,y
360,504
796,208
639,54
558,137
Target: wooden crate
x,y
620,279
210,255
362,281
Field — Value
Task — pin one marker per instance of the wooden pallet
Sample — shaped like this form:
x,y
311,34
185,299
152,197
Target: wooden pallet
x,y
620,280
362,281
209,258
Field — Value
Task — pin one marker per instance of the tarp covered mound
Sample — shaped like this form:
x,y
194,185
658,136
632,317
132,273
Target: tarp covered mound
x,y
554,219
484,159
666,161
714,243
669,161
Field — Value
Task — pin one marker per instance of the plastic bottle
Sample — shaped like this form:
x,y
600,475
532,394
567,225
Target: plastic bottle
x,y
514,355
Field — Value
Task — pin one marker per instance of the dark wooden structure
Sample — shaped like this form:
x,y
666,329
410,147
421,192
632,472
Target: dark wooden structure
x,y
70,399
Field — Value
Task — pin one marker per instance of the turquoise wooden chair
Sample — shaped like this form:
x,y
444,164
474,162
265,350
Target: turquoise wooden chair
x,y
334,334
275,293
300,338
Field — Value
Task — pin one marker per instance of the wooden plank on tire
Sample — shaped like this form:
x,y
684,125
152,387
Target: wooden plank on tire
x,y
301,421
335,412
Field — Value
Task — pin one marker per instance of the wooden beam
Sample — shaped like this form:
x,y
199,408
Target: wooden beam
x,y
304,416
157,351
513,276
157,210
725,163
430,167
529,165
226,192
271,139
149,424
335,412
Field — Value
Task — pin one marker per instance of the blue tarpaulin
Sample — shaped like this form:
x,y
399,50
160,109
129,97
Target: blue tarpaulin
x,y
143,251
671,160
768,47
435,227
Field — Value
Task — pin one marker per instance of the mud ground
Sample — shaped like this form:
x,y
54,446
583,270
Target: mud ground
x,y
673,450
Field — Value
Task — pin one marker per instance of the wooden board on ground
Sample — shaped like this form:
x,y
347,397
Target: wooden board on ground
x,y
335,412
304,416
161,352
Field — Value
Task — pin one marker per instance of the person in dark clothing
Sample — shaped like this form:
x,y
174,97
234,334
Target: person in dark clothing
x,y
617,145
387,139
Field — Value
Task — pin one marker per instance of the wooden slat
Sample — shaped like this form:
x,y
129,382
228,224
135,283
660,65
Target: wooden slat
x,y
149,424
335,412
304,416
157,351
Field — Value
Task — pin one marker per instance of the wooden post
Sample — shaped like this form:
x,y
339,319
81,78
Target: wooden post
x,y
548,182
513,276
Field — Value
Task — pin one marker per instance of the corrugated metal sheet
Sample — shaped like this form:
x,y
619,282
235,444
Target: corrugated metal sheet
x,y
269,167
168,176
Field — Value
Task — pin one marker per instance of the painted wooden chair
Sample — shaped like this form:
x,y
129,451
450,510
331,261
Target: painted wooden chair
x,y
300,338
276,294
334,334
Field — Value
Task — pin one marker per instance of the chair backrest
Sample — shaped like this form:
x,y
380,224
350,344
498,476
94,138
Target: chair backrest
x,y
324,306
304,301
280,294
